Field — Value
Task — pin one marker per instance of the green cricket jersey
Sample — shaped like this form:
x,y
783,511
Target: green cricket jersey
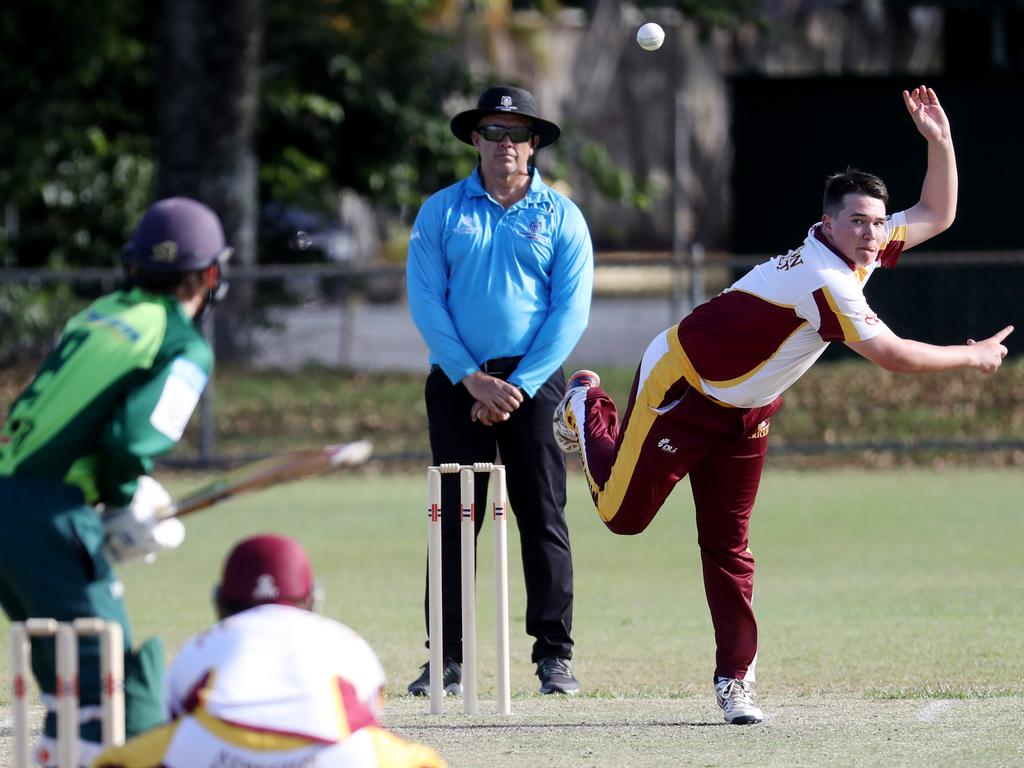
x,y
117,391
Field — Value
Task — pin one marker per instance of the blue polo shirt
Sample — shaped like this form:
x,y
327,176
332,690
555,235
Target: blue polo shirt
x,y
485,282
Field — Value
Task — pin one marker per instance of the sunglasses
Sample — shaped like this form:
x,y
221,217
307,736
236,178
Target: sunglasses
x,y
518,133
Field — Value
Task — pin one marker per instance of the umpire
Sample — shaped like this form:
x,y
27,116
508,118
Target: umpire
x,y
500,273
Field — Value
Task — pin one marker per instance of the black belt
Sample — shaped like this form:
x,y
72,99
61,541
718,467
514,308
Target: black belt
x,y
499,366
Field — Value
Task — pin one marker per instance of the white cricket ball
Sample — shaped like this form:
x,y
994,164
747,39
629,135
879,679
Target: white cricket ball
x,y
650,36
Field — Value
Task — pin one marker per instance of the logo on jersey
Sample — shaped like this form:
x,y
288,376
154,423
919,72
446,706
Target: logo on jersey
x,y
535,230
789,260
115,323
761,431
265,588
466,226
870,318
666,445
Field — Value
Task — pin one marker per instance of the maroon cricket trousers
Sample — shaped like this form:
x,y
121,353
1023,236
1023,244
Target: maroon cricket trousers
x,y
671,430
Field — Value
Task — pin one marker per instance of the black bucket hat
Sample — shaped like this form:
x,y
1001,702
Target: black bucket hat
x,y
504,99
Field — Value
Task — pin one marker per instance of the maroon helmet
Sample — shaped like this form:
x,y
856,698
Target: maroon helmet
x,y
268,568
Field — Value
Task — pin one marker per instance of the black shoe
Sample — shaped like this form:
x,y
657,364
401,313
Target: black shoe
x,y
556,676
452,679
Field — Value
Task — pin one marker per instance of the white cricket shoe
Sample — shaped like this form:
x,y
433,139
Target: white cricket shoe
x,y
565,435
736,697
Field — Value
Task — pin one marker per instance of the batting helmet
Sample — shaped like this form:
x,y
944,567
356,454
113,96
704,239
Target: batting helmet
x,y
176,234
268,568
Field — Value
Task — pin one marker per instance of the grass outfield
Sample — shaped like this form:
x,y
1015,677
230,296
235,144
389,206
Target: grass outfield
x,y
890,605
265,412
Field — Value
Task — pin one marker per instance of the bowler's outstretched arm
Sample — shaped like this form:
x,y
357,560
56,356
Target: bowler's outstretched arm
x,y
936,209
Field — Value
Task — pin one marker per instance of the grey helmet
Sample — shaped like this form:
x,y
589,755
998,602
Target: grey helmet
x,y
177,235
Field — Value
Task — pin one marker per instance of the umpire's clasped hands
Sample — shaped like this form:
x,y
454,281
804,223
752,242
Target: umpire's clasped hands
x,y
494,398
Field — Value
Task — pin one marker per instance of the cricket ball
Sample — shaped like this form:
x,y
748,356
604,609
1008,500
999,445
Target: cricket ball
x,y
650,36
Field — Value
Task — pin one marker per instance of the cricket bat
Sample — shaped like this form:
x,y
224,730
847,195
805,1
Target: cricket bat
x,y
284,468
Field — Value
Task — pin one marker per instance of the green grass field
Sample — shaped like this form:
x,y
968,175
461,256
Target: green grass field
x,y
264,412
890,606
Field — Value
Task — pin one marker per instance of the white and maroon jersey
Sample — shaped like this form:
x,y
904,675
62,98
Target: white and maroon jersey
x,y
279,670
748,344
273,687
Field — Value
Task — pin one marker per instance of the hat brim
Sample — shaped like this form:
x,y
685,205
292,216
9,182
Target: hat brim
x,y
464,123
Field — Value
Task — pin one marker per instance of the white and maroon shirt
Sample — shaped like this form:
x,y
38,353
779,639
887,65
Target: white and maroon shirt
x,y
747,345
280,670
273,687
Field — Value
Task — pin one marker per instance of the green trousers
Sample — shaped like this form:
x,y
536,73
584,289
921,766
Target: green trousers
x,y
52,566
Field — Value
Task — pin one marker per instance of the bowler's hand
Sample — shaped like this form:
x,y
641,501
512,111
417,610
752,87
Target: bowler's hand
x,y
496,394
927,114
990,351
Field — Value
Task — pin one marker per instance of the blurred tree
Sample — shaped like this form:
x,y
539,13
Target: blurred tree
x,y
75,152
98,96
207,106
354,96
720,12
285,101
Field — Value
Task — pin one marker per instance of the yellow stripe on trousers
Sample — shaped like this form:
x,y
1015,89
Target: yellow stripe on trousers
x,y
663,365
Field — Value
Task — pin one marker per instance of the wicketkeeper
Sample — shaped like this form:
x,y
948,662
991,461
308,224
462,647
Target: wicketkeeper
x,y
272,683
78,445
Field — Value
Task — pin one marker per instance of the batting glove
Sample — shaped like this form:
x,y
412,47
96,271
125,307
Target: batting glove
x,y
136,532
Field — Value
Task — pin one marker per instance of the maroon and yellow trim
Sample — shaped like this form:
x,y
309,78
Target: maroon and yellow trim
x,y
733,336
834,325
351,713
673,366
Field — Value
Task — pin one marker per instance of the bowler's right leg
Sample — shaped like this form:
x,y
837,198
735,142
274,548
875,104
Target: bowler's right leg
x,y
632,467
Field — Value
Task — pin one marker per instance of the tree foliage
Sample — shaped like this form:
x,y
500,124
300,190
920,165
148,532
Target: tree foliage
x,y
75,153
355,98
355,94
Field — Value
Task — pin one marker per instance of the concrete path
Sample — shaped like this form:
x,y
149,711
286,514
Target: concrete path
x,y
382,337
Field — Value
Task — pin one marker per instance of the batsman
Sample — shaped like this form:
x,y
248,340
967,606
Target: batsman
x,y
78,446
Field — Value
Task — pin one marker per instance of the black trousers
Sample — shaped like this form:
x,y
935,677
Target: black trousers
x,y
535,476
